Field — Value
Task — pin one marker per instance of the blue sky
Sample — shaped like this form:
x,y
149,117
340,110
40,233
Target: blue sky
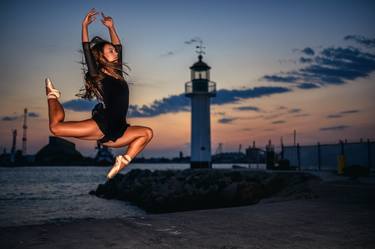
x,y
279,66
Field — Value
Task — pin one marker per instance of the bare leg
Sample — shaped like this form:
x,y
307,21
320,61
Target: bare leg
x,y
137,146
85,129
56,112
137,137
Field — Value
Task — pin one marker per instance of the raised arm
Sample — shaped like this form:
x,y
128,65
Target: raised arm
x,y
89,58
108,22
89,18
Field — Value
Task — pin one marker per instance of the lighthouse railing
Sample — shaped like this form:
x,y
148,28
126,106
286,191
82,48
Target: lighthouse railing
x,y
212,87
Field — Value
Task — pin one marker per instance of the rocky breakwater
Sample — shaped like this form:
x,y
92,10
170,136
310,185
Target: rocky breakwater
x,y
180,190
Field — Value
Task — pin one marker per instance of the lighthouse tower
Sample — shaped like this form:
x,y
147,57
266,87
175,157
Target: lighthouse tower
x,y
200,89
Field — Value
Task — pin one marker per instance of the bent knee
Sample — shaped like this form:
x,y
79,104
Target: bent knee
x,y
149,133
55,129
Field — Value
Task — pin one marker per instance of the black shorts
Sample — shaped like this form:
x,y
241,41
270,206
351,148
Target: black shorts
x,y
111,132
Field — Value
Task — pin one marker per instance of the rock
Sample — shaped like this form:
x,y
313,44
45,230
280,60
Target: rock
x,y
189,189
229,193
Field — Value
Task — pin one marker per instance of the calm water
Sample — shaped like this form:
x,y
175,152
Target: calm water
x,y
34,195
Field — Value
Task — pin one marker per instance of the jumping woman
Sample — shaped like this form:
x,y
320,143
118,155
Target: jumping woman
x,y
104,80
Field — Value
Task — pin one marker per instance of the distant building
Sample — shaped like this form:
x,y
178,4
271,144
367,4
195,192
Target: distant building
x,y
229,157
104,155
58,152
255,155
5,158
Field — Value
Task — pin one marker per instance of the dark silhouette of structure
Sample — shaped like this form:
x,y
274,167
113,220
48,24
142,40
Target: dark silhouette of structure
x,y
58,152
24,137
104,155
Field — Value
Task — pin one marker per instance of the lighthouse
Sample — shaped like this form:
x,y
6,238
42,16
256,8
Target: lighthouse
x,y
200,89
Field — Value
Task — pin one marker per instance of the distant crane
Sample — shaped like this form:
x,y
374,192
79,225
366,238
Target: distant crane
x,y
239,148
219,149
13,150
24,138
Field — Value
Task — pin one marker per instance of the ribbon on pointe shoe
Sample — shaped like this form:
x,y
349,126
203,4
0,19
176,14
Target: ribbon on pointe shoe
x,y
116,168
53,92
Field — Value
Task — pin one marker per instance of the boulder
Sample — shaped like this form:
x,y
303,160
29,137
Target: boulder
x,y
181,190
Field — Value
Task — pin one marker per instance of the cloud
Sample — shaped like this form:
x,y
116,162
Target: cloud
x,y
332,65
334,116
308,86
277,78
334,128
225,96
15,117
218,113
193,40
226,120
370,43
337,65
179,103
169,53
282,111
349,111
273,116
305,60
171,104
33,114
278,122
342,113
9,118
247,108
329,66
188,42
79,105
294,110
301,115
308,51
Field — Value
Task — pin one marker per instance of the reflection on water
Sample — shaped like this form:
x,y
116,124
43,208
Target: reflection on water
x,y
32,195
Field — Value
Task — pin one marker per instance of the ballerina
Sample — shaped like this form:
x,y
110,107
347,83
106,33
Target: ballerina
x,y
105,81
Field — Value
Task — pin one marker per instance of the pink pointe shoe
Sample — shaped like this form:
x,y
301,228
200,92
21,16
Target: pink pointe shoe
x,y
116,168
51,91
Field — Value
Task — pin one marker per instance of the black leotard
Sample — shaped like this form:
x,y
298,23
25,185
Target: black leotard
x,y
111,118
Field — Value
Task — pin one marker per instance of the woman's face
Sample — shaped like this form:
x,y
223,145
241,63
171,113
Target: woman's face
x,y
110,53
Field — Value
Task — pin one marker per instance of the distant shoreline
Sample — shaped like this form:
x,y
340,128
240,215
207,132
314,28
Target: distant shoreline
x,y
93,165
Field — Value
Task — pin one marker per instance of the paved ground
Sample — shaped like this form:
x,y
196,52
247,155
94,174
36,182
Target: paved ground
x,y
342,217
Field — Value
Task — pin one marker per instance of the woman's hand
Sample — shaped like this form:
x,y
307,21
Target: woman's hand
x,y
107,21
90,17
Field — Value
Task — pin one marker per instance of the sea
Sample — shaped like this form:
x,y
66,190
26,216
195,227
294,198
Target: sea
x,y
38,195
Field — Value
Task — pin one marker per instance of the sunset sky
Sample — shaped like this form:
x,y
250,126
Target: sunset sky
x,y
278,66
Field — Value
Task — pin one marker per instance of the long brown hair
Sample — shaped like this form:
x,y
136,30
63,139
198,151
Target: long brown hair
x,y
93,85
